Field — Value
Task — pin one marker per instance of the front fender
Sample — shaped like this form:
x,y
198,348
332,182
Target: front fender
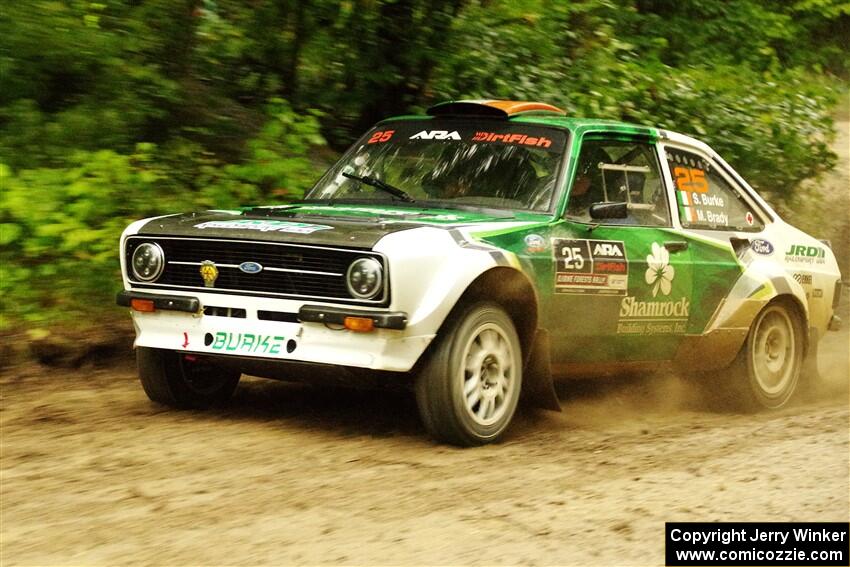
x,y
429,270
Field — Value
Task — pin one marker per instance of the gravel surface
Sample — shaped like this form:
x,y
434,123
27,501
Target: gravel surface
x,y
93,473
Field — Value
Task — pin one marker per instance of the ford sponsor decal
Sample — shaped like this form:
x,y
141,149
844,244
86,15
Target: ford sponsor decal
x,y
251,267
763,247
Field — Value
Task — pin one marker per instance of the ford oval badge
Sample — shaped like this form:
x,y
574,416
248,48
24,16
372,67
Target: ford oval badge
x,y
251,267
763,247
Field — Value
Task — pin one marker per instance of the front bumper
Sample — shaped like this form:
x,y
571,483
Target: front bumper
x,y
336,315
179,324
160,302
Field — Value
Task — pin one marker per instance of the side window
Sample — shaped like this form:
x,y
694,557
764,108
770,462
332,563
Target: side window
x,y
619,171
706,200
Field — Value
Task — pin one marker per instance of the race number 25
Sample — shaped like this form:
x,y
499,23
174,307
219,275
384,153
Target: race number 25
x,y
572,258
381,136
689,179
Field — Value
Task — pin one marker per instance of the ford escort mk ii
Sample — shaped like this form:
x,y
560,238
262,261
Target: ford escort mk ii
x,y
477,254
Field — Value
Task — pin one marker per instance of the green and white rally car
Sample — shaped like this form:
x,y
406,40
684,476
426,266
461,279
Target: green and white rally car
x,y
479,253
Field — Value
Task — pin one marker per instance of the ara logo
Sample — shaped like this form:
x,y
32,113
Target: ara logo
x,y
763,247
436,135
607,249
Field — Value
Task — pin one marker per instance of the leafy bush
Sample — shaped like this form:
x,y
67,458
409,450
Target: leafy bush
x,y
59,226
773,124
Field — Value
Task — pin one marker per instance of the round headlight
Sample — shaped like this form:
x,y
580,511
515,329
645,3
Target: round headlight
x,y
365,278
148,262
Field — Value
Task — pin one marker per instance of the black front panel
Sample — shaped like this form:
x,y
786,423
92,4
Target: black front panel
x,y
314,272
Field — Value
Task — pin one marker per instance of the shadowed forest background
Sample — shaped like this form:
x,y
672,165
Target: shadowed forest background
x,y
116,110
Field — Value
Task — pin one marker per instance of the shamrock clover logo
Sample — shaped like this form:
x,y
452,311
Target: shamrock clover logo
x,y
660,273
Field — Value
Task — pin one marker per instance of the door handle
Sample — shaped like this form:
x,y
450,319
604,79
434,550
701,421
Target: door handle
x,y
676,246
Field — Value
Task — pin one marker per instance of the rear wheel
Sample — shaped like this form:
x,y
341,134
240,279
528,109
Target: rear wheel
x,y
468,390
184,381
767,371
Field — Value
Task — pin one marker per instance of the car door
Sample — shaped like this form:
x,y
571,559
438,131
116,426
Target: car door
x,y
621,287
716,218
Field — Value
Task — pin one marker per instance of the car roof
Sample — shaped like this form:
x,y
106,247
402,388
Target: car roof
x,y
546,114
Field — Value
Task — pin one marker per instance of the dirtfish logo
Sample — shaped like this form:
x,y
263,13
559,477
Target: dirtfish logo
x,y
436,135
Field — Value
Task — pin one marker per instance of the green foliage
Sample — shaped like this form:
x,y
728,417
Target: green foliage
x,y
773,124
59,226
118,109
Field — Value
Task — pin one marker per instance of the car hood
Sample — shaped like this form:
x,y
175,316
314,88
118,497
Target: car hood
x,y
329,225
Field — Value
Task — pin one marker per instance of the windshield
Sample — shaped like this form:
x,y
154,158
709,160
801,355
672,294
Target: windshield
x,y
487,163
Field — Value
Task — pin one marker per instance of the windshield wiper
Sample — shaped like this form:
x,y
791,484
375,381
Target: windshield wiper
x,y
377,183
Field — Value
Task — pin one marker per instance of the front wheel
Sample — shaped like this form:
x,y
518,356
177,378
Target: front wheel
x,y
467,391
768,368
184,381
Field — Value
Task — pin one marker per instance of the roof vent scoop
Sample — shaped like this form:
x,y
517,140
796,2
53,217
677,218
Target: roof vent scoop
x,y
493,108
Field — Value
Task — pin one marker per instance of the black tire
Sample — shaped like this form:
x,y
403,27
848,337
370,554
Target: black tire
x,y
184,381
766,373
444,386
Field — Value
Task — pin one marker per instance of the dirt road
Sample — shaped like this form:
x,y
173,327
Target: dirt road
x,y
92,473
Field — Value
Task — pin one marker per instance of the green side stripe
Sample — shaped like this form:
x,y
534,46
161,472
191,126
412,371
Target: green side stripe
x,y
727,247
500,231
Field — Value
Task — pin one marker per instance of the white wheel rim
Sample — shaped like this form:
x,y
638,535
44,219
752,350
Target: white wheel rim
x,y
774,351
488,374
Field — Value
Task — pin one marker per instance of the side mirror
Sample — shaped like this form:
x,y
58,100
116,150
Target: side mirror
x,y
609,211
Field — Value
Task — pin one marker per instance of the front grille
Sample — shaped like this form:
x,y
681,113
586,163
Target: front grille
x,y
309,272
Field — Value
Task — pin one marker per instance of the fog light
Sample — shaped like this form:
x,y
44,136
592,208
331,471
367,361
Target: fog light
x,y
359,324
